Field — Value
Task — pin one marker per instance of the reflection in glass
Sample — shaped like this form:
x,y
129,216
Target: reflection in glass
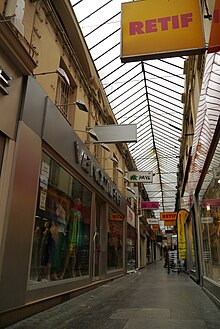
x,y
61,237
115,241
210,218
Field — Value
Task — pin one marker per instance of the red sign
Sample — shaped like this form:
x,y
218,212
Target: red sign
x,y
211,203
149,205
155,227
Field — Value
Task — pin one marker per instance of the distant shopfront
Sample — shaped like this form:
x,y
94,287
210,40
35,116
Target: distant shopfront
x,y
131,240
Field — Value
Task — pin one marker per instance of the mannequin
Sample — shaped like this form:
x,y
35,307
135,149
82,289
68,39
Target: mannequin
x,y
48,249
74,236
61,241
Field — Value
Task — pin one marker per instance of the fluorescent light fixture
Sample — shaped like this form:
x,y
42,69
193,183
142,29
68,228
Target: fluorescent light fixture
x,y
63,74
113,159
105,147
92,134
59,71
130,190
120,170
81,105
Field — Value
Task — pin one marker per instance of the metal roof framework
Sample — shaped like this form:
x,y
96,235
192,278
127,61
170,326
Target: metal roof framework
x,y
146,93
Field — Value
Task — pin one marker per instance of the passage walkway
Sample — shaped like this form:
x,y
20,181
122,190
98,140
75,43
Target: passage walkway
x,y
148,299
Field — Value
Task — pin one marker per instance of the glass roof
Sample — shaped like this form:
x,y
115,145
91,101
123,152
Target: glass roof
x,y
146,93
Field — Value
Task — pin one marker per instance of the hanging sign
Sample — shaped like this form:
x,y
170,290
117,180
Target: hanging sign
x,y
170,223
140,176
206,220
211,203
163,28
168,216
152,221
150,205
181,219
155,227
214,40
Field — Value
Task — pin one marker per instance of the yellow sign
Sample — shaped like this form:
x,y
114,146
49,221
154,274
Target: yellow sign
x,y
214,41
181,219
170,223
161,28
167,216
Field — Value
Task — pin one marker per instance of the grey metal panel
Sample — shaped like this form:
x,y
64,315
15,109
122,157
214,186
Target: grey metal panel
x,y
20,218
34,105
61,137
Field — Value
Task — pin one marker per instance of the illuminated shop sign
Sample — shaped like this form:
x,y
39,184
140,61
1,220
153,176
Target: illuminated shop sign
x,y
91,169
163,28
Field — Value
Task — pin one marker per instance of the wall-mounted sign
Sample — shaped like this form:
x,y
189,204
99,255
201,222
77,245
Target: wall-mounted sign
x,y
167,216
115,216
214,40
150,205
130,217
163,28
140,176
206,220
92,169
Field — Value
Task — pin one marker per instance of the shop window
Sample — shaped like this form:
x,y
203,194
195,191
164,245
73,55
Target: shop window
x,y
61,237
131,248
210,218
115,240
2,146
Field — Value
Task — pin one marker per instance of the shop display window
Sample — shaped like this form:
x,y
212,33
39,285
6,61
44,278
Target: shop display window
x,y
131,248
191,258
61,236
115,240
2,146
210,218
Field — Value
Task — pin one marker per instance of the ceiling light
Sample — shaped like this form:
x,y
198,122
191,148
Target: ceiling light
x,y
113,159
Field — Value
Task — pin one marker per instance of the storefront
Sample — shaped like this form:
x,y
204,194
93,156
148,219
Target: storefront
x,y
202,195
66,217
209,215
131,241
191,247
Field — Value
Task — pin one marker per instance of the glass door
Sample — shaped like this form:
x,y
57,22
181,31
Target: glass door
x,y
96,243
